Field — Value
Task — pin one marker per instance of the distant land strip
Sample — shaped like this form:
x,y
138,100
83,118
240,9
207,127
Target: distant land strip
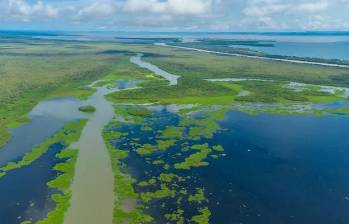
x,y
255,57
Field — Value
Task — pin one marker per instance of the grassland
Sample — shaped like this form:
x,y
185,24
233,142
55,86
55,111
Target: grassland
x,y
194,67
198,65
32,70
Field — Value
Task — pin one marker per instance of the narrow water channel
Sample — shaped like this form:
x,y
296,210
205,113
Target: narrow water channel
x,y
173,79
93,186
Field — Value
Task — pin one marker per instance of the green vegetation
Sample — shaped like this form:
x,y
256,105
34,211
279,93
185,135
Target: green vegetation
x,y
163,192
218,148
176,217
199,197
167,186
138,111
69,134
70,68
205,66
66,70
194,67
194,160
62,183
203,217
132,113
39,69
162,145
87,109
35,72
172,132
124,188
206,127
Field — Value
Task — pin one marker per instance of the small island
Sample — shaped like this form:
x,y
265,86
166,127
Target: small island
x,y
87,109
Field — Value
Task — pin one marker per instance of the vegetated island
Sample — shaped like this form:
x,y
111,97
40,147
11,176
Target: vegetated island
x,y
87,109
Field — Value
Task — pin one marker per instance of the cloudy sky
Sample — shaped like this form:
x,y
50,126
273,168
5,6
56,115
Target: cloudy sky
x,y
172,15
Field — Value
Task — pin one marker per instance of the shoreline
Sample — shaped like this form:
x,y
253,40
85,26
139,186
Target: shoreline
x,y
254,57
93,185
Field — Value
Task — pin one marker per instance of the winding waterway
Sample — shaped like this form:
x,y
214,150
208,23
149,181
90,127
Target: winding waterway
x,y
173,79
93,186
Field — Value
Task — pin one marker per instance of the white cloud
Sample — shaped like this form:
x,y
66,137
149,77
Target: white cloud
x,y
313,7
23,10
283,14
184,7
230,15
97,9
257,8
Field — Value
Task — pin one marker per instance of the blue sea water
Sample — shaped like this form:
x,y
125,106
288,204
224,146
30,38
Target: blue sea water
x,y
323,50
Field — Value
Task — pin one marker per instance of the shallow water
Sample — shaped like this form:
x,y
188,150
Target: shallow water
x,y
24,193
278,169
173,79
333,105
93,186
46,119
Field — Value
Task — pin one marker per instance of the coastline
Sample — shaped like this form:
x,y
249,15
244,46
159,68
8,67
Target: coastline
x,y
254,57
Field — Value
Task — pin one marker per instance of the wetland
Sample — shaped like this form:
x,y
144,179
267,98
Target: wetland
x,y
153,134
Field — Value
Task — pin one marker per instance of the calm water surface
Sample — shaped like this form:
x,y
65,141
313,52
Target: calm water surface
x,y
281,169
325,50
173,79
278,169
24,193
46,119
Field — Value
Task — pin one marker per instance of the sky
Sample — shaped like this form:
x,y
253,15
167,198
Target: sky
x,y
175,15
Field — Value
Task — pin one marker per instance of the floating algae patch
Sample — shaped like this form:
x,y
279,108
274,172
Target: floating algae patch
x,y
151,167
